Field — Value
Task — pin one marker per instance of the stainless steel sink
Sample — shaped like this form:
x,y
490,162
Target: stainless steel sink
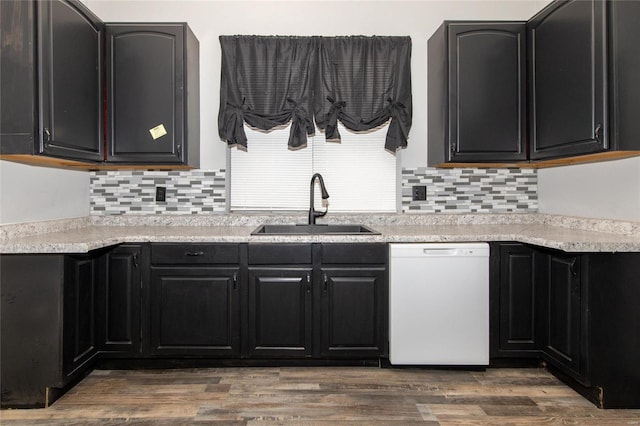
x,y
317,229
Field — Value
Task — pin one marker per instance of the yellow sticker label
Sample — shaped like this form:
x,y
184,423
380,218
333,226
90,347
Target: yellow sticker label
x,y
158,131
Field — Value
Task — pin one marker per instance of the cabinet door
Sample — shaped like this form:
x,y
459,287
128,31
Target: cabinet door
x,y
487,92
194,311
568,79
146,92
280,312
17,77
119,300
79,318
71,81
563,313
514,322
354,312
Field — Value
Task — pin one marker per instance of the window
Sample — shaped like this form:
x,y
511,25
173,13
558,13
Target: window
x,y
355,89
359,173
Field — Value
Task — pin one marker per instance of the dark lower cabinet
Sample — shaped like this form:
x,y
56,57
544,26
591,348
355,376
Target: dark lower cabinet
x,y
321,301
515,320
79,318
354,302
48,325
280,312
613,283
194,311
119,299
562,310
193,300
576,311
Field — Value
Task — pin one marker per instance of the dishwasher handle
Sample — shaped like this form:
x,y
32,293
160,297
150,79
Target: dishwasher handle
x,y
447,252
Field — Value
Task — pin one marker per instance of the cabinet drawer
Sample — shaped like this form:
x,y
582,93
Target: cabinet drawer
x,y
354,253
278,254
194,254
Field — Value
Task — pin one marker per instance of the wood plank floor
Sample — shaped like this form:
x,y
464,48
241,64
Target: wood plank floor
x,y
321,396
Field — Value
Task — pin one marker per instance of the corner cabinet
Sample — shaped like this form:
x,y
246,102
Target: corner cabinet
x,y
153,94
582,66
49,318
60,67
564,308
568,70
51,69
477,92
576,311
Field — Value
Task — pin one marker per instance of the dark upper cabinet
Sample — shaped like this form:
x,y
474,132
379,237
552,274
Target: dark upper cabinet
x,y
153,94
120,275
561,85
52,80
568,72
515,321
623,34
476,92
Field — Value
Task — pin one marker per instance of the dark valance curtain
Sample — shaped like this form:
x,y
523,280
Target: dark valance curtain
x,y
364,82
266,82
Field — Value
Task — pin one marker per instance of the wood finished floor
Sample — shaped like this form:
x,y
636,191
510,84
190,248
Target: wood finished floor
x,y
321,396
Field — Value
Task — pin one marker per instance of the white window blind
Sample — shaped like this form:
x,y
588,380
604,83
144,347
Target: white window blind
x,y
360,175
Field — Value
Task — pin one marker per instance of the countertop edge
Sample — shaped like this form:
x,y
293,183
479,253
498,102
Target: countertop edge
x,y
94,237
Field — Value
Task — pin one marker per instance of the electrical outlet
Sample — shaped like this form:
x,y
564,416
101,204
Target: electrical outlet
x,y
419,193
161,193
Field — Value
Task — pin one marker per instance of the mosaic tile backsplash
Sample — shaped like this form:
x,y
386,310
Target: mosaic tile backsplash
x,y
471,190
133,192
204,191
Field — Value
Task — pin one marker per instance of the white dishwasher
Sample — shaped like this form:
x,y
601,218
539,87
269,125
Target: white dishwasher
x,y
439,304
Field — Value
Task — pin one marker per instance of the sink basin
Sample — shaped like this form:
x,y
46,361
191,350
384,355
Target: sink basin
x,y
318,229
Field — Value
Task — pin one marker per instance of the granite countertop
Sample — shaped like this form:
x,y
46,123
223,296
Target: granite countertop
x,y
567,234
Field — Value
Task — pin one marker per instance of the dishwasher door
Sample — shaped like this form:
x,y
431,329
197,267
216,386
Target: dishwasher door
x,y
439,304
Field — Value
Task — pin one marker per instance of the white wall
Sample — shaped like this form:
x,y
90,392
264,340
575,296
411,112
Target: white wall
x,y
609,190
30,193
606,190
209,19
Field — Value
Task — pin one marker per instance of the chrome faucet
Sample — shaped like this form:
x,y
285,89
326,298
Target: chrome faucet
x,y
312,213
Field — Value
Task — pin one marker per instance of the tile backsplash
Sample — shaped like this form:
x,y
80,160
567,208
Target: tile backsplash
x,y
204,191
133,192
471,190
